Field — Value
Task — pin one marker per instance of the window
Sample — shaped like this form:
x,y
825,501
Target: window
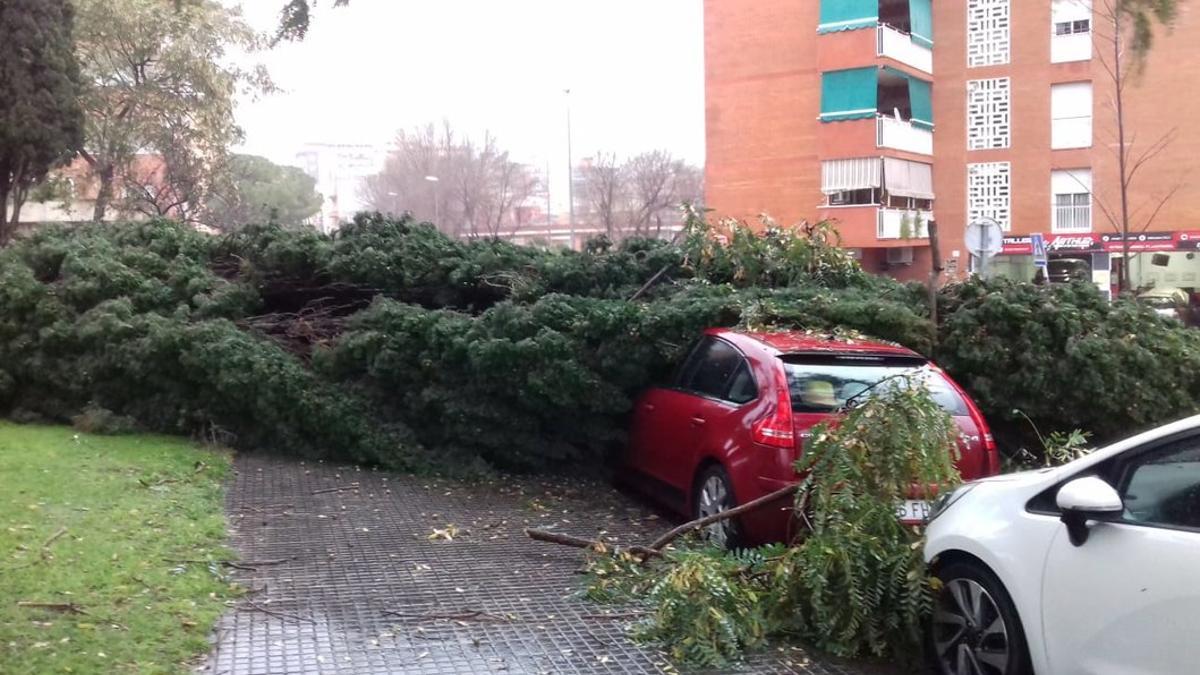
x,y
828,384
1072,200
711,368
988,114
988,28
909,203
1163,487
1071,115
851,181
854,197
1073,27
989,192
742,389
1071,22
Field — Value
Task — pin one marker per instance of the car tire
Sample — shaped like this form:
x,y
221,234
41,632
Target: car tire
x,y
975,627
713,493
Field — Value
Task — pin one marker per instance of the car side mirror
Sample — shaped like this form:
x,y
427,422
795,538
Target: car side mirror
x,y
1083,499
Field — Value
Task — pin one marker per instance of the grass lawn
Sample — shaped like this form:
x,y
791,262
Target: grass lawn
x,y
85,523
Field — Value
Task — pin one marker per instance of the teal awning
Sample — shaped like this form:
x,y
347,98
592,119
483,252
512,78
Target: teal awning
x,y
920,96
838,15
849,94
920,14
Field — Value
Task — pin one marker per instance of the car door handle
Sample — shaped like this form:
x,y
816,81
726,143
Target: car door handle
x,y
699,421
647,406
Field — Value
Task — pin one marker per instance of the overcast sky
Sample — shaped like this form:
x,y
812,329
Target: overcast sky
x,y
635,69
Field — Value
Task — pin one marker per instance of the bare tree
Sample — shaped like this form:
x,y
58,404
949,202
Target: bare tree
x,y
606,192
1124,40
468,189
633,198
659,184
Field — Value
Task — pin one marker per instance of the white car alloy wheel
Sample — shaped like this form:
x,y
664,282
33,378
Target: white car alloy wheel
x,y
974,629
969,634
715,496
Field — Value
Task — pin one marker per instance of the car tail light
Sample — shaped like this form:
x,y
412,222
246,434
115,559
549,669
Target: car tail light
x,y
776,428
991,456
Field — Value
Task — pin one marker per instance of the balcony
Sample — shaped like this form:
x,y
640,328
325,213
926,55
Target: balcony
x,y
900,104
898,45
903,224
901,134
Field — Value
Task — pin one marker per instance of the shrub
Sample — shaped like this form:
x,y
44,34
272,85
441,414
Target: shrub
x,y
1067,358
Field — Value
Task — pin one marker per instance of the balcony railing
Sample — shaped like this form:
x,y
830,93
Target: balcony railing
x,y
902,135
1073,218
902,224
898,45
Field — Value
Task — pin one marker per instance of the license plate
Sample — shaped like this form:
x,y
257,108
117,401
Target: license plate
x,y
912,511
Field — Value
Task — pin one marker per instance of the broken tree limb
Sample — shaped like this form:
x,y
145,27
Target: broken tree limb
x,y
255,607
352,486
68,607
592,544
655,549
723,515
61,531
247,565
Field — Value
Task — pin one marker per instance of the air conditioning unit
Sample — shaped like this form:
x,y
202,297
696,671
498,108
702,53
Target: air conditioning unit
x,y
902,255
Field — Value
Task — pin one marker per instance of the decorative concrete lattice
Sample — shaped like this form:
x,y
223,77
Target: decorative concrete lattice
x,y
989,26
989,123
989,192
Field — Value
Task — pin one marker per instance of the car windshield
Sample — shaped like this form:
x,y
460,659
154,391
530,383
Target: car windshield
x,y
826,385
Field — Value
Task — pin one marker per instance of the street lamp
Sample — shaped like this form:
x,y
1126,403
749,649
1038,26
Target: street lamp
x,y
436,215
570,173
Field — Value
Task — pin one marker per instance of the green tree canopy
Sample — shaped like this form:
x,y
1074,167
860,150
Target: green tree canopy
x,y
40,120
160,79
259,191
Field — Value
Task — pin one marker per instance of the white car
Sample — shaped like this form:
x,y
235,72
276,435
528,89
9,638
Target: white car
x,y
1092,567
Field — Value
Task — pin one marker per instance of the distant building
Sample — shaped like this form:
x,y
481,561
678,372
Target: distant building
x,y
339,170
70,194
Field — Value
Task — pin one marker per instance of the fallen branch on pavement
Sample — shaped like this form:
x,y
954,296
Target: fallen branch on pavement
x,y
654,550
700,523
580,542
68,607
352,486
255,607
248,565
465,615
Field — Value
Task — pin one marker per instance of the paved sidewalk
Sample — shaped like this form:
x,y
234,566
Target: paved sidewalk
x,y
346,578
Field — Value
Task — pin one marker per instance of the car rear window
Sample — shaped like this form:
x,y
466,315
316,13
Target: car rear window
x,y
825,384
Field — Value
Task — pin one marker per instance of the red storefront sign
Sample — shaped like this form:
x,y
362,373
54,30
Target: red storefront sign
x,y
1107,242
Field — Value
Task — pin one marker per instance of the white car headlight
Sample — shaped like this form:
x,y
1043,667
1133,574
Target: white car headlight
x,y
947,499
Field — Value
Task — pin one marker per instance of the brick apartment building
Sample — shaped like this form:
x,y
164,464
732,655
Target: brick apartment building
x,y
882,114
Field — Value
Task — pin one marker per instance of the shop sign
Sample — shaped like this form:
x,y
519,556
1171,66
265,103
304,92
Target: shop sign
x,y
1108,242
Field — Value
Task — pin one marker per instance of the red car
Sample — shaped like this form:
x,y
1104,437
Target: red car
x,y
732,422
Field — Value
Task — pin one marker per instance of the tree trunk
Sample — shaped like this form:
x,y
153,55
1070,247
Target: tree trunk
x,y
4,227
1122,150
107,175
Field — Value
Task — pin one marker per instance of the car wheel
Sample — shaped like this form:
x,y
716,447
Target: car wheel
x,y
714,494
975,629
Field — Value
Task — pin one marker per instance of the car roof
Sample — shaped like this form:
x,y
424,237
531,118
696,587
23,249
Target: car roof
x,y
810,342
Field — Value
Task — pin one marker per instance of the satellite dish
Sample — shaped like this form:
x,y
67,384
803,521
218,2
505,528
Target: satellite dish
x,y
984,238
